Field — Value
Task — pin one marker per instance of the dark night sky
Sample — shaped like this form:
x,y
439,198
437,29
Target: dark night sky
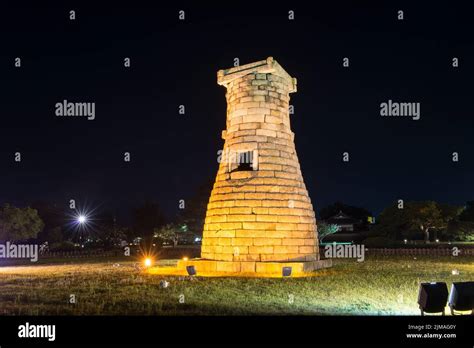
x,y
173,63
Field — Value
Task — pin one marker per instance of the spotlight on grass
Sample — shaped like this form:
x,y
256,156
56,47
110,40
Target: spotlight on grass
x,y
462,297
191,270
148,262
286,271
432,297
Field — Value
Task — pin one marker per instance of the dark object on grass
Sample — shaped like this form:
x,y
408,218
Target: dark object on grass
x,y
462,297
432,297
191,270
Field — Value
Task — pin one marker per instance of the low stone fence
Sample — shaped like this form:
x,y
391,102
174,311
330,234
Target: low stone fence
x,y
195,252
168,253
80,254
416,251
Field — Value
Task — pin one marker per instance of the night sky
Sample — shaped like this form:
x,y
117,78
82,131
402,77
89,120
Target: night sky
x,y
175,62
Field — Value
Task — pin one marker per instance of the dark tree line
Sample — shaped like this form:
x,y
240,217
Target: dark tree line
x,y
414,220
427,220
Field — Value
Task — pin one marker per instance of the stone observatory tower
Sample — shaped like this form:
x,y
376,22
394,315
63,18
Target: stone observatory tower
x,y
259,218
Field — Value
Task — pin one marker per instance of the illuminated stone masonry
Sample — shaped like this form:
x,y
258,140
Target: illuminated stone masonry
x,y
259,217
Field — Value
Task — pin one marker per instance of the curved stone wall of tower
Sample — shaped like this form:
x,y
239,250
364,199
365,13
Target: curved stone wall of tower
x,y
261,213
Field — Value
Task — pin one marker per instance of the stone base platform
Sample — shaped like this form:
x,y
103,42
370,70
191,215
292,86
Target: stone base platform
x,y
256,269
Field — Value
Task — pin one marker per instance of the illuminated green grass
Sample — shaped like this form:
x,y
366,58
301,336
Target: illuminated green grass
x,y
378,286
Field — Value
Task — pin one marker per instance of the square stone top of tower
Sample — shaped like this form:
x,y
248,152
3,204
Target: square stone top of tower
x,y
267,66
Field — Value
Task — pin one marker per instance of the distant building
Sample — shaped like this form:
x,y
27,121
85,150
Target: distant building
x,y
188,238
345,222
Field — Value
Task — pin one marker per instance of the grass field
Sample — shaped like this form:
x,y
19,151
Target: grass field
x,y
378,286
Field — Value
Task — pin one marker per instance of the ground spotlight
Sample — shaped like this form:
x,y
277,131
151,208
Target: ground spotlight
x,y
461,297
191,270
148,262
286,271
432,297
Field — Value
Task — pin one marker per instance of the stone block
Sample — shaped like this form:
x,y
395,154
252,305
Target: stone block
x,y
245,188
251,118
250,233
306,249
293,241
288,218
251,195
241,210
259,210
277,234
242,241
249,125
228,266
241,217
273,257
241,175
247,257
266,218
267,226
261,249
273,119
216,218
267,241
248,267
248,203
224,257
286,226
223,234
266,132
286,249
225,241
258,98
